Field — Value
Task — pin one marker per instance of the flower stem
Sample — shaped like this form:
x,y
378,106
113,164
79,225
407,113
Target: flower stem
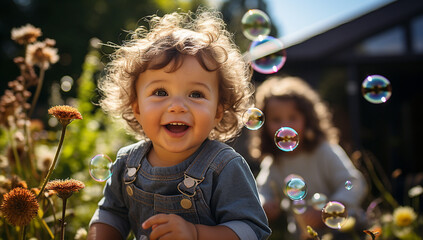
x,y
53,209
30,149
56,157
44,224
378,183
6,229
22,232
37,92
62,232
15,153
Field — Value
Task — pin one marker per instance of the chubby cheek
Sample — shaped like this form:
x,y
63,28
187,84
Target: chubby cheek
x,y
146,116
299,127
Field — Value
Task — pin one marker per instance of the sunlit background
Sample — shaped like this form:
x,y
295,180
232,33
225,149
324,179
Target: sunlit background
x,y
332,44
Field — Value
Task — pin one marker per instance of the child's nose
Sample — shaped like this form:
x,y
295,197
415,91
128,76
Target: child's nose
x,y
177,105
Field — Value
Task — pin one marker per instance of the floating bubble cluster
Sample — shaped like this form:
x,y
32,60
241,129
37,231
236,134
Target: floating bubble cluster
x,y
334,214
268,55
100,167
255,24
253,118
296,189
376,89
318,201
286,139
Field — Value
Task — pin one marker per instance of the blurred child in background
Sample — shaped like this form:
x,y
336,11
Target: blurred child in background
x,y
318,159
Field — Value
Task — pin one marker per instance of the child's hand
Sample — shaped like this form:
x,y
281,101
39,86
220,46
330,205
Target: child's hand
x,y
170,226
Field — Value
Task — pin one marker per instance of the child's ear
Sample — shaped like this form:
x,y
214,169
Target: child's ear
x,y
219,113
135,109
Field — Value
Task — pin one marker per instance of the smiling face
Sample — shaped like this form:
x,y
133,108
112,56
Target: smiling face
x,y
177,109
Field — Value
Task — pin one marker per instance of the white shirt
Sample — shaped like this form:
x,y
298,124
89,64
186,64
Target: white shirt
x,y
325,170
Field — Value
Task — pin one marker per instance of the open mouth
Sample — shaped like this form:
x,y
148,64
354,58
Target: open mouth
x,y
176,127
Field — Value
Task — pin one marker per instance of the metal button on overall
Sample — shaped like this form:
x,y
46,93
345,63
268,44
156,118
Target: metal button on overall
x,y
189,182
129,191
131,171
186,203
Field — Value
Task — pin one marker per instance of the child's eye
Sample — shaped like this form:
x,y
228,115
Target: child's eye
x,y
160,92
196,94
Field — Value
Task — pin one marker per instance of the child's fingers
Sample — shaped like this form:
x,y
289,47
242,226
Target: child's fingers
x,y
155,220
160,231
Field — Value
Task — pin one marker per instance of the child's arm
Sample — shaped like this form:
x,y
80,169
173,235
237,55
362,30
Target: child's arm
x,y
175,227
101,231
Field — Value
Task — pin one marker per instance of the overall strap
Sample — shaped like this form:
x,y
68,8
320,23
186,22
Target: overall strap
x,y
133,161
194,174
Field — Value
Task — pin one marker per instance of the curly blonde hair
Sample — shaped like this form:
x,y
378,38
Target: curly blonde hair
x,y
318,118
201,34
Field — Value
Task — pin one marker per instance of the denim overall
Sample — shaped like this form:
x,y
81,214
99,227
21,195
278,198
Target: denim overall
x,y
181,195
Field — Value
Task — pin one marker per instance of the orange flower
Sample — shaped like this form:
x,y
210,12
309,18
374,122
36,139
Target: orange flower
x,y
65,188
19,206
25,34
373,233
65,114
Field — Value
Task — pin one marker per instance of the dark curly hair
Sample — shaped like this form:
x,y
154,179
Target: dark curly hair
x,y
201,34
318,119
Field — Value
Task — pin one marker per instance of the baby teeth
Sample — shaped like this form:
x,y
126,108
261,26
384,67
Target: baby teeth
x,y
180,124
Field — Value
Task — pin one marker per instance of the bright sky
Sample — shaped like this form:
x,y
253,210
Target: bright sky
x,y
299,19
294,16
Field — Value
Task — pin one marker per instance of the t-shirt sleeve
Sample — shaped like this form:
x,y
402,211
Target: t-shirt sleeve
x,y
235,201
111,208
339,170
268,182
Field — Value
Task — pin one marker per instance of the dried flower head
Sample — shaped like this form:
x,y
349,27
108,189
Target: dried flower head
x,y
25,34
8,107
17,182
65,188
404,216
65,114
47,193
41,54
28,76
19,206
372,233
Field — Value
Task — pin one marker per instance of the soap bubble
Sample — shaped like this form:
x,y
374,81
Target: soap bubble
x,y
101,167
255,24
268,55
299,206
288,178
348,185
253,118
318,201
286,139
376,89
296,189
334,214
291,176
